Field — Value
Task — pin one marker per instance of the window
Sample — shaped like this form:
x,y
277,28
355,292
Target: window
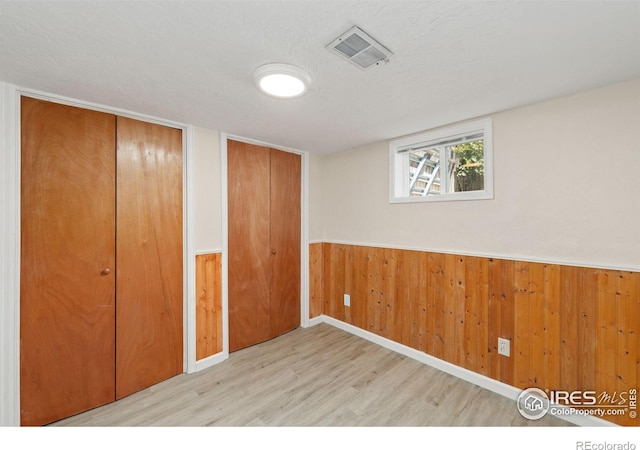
x,y
454,163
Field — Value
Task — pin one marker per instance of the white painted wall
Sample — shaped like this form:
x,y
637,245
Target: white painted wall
x,y
316,195
566,184
208,195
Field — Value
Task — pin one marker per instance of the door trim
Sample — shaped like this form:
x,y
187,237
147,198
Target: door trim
x,y
304,238
10,262
10,240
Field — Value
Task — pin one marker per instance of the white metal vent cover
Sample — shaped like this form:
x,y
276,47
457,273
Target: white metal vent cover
x,y
359,48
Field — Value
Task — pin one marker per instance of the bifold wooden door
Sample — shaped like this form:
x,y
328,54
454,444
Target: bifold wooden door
x,y
284,295
101,258
264,243
67,262
149,286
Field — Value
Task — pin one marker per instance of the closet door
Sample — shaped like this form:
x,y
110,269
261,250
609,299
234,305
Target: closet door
x,y
264,243
149,278
284,301
248,242
67,261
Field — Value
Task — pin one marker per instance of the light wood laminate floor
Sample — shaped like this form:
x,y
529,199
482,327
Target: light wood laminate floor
x,y
318,376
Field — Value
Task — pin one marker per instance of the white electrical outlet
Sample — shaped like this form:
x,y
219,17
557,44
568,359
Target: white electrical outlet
x,y
504,347
347,300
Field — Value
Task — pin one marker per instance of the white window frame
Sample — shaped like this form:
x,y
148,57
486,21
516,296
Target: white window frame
x,y
399,163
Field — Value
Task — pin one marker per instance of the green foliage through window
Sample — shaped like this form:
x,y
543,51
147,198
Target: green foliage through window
x,y
467,166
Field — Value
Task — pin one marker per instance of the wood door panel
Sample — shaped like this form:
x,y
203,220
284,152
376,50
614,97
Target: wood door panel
x,y
284,302
67,234
248,244
149,245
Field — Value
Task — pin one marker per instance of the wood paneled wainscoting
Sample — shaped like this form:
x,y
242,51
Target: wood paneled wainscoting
x,y
316,280
208,305
571,328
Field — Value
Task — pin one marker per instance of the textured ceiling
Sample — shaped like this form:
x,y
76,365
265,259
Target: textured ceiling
x,y
192,62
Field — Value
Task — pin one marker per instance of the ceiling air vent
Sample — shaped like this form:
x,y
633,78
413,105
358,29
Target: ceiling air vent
x,y
359,48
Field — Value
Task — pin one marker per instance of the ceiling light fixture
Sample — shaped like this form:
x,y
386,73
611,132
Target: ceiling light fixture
x,y
282,80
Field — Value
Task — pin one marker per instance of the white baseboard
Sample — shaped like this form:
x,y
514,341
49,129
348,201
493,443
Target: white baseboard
x,y
211,361
316,321
459,372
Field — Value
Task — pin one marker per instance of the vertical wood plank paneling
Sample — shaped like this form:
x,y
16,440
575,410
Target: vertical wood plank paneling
x,y
437,296
359,283
494,318
316,280
507,318
459,310
522,352
571,328
343,282
337,291
422,316
501,316
634,292
365,306
429,302
351,285
449,302
409,298
478,297
470,332
627,331
536,328
586,298
387,293
606,332
569,362
328,278
403,303
374,282
552,323
349,311
627,345
208,305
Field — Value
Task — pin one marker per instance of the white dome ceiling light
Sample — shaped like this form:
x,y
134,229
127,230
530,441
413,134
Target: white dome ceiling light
x,y
282,80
